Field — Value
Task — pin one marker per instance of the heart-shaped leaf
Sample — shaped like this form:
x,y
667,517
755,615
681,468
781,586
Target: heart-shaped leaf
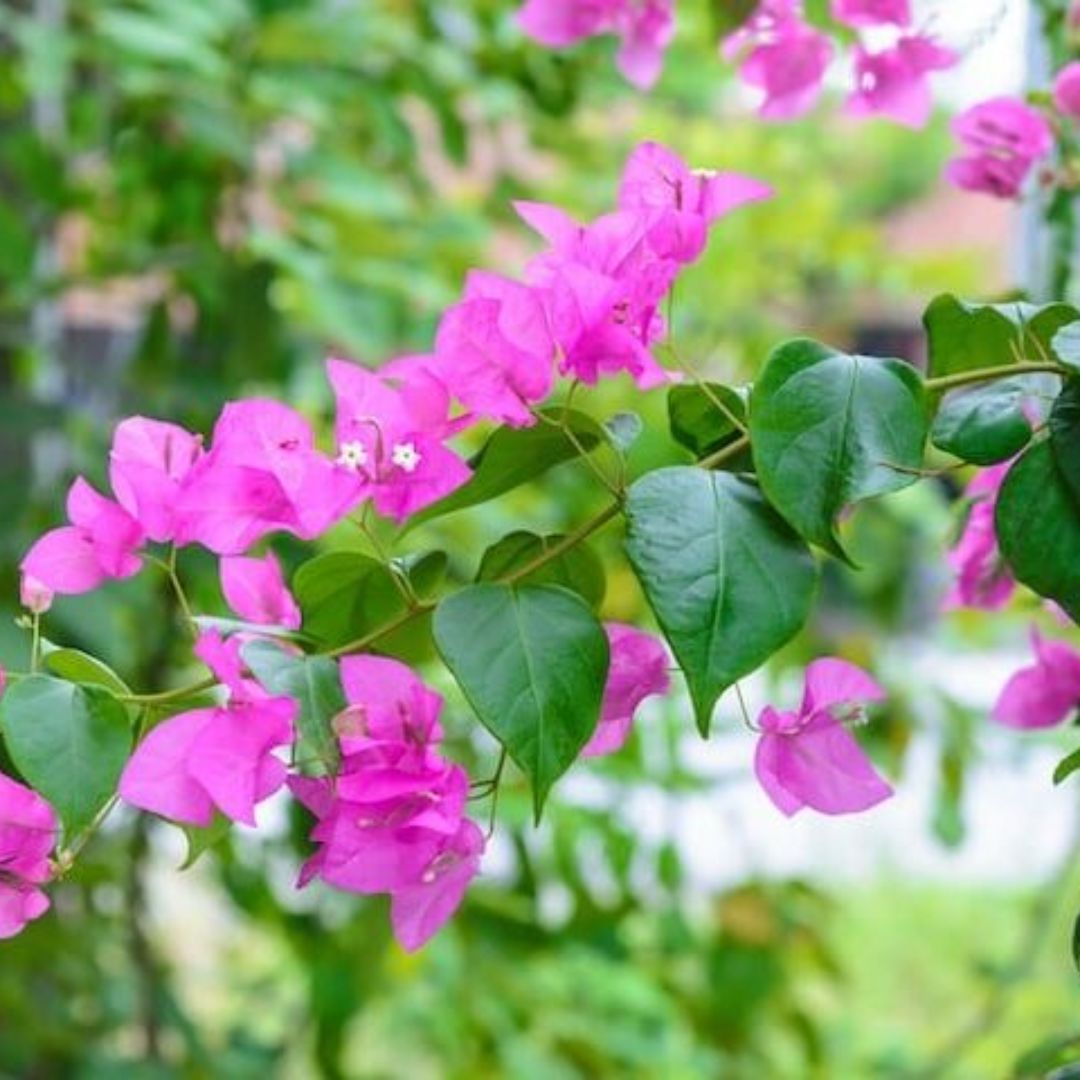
x,y
729,581
532,660
829,429
70,742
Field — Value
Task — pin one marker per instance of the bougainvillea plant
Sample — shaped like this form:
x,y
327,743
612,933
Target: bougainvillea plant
x,y
727,548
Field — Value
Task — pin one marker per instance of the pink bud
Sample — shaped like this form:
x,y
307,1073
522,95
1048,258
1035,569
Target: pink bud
x,y
34,595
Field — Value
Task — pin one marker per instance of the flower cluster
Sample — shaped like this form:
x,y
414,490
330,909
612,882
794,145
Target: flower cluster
x,y
392,819
588,307
785,58
779,52
1002,140
1005,138
28,830
644,27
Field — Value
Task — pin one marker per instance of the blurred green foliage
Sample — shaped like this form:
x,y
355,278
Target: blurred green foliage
x,y
202,199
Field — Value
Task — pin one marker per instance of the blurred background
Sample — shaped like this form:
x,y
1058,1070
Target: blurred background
x,y
201,200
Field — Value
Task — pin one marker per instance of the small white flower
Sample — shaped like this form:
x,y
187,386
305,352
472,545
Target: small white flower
x,y
405,456
352,456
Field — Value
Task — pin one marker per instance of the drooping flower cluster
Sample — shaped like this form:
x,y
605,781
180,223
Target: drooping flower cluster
x,y
28,829
809,758
392,819
779,52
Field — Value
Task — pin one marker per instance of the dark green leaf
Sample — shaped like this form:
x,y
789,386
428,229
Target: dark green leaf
x,y
829,430
963,337
699,423
1076,942
79,667
532,661
1065,436
729,15
729,581
344,595
578,569
1038,527
985,425
314,683
1066,767
514,456
70,742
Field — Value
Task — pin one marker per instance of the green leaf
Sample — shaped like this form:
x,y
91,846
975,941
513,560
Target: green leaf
x,y
729,15
1065,436
829,430
514,456
963,337
70,742
344,595
579,569
1066,767
729,581
699,423
1038,527
532,661
314,683
79,667
985,425
200,841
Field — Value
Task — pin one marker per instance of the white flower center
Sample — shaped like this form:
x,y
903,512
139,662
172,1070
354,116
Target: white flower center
x,y
405,456
352,456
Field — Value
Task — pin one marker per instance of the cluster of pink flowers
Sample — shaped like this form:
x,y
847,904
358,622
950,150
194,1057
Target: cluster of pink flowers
x,y
644,27
588,307
785,58
779,52
28,831
1003,139
392,820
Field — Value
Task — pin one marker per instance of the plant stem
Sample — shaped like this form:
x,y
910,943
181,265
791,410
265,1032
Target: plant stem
x,y
164,697
725,453
1006,371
